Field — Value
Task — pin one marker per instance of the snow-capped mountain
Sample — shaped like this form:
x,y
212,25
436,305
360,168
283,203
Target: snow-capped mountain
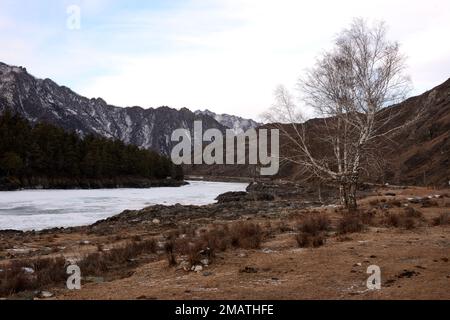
x,y
238,124
44,100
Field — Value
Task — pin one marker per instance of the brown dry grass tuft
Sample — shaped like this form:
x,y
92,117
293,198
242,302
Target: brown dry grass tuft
x,y
350,223
306,240
204,244
246,235
100,262
314,224
443,219
312,230
44,272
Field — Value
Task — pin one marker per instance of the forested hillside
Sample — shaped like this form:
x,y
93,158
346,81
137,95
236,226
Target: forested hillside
x,y
43,154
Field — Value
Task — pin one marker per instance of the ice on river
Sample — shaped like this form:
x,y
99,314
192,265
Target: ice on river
x,y
42,209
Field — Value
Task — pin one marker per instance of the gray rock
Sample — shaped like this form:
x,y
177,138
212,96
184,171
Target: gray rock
x,y
197,268
45,294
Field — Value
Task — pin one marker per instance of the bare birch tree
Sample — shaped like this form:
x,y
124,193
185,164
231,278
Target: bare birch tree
x,y
348,88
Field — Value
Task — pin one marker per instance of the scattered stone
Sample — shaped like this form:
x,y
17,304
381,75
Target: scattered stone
x,y
359,264
197,268
19,250
207,273
84,242
156,221
205,262
28,270
408,274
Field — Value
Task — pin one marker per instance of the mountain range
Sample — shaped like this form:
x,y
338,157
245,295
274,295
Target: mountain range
x,y
42,100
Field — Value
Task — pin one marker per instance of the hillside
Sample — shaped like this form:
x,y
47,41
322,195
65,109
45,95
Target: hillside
x,y
419,155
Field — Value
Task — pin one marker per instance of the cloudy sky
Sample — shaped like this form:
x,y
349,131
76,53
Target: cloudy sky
x,y
224,55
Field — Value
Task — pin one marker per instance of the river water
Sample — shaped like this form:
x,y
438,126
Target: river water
x,y
42,209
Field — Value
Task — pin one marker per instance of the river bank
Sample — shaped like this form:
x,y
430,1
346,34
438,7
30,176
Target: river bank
x,y
245,248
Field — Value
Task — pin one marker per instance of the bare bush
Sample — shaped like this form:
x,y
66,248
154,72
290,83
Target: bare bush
x,y
100,262
443,219
306,240
350,224
314,224
45,272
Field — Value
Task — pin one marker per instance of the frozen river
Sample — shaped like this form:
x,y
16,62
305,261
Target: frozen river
x,y
41,209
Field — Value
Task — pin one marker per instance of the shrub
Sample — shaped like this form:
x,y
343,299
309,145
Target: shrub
x,y
350,224
443,219
169,248
429,203
100,262
246,235
306,240
314,224
413,213
404,220
395,203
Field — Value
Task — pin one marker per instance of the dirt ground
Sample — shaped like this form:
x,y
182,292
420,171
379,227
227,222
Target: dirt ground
x,y
414,262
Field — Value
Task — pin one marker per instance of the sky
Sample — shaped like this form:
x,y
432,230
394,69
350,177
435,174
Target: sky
x,y
227,56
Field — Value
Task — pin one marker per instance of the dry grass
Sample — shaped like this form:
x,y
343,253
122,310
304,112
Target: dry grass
x,y
197,246
350,223
312,230
98,263
409,219
443,219
45,272
305,240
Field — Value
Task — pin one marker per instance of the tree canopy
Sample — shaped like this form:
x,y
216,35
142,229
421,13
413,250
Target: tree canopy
x,y
44,150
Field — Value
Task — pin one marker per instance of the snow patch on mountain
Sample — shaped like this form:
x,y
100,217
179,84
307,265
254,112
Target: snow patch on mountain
x,y
237,124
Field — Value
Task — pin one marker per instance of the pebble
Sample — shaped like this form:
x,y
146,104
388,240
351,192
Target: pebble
x,y
197,268
45,294
205,262
28,270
